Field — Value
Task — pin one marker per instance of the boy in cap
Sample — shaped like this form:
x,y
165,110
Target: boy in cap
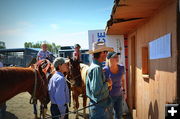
x,y
58,89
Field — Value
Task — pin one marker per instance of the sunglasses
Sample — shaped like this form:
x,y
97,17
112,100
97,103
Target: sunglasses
x,y
105,52
115,57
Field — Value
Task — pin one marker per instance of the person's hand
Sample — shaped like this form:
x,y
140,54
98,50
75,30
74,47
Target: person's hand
x,y
124,94
109,82
62,117
110,88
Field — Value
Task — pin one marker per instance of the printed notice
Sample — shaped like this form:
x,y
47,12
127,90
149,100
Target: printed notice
x,y
161,47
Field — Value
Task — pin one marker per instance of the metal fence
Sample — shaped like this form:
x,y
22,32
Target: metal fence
x,y
17,58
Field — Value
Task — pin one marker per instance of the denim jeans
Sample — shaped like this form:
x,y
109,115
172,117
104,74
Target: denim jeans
x,y
117,106
2,110
35,108
100,112
55,111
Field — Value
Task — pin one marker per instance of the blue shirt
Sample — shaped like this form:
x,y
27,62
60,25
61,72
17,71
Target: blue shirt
x,y
96,86
44,55
58,91
116,80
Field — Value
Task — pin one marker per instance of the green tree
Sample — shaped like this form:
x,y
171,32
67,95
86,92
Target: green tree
x,y
52,47
2,45
28,44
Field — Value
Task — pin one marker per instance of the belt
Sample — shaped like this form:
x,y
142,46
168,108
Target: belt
x,y
57,105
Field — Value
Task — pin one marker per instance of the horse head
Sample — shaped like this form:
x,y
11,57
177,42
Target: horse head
x,y
44,69
74,74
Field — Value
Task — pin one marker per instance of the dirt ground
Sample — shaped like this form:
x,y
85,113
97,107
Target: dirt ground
x,y
19,108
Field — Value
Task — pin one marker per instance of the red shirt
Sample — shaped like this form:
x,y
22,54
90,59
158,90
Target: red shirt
x,y
76,55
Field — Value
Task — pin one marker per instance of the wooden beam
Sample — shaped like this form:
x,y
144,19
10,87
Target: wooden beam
x,y
178,52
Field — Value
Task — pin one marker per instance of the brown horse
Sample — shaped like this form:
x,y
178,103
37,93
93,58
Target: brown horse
x,y
14,80
48,70
77,77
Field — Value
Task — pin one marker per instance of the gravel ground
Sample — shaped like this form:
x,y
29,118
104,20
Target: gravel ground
x,y
19,108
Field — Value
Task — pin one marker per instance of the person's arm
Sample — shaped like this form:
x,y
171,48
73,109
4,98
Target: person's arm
x,y
74,55
124,87
98,87
1,64
123,82
38,55
108,79
79,56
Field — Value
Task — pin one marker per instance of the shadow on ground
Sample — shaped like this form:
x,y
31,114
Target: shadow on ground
x,y
9,115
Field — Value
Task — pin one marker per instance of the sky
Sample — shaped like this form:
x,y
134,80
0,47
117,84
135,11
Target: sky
x,y
64,22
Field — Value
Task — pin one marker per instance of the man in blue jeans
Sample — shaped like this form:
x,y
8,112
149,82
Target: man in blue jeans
x,y
58,90
96,85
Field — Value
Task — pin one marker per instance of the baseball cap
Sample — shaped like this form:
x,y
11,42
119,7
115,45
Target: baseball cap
x,y
112,54
59,61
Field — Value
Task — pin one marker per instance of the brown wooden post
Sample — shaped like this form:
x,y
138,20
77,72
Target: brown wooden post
x,y
178,51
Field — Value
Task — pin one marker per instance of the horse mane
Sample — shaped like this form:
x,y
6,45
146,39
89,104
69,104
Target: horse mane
x,y
84,69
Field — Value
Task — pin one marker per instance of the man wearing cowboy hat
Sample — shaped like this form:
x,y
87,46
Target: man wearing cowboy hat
x,y
96,85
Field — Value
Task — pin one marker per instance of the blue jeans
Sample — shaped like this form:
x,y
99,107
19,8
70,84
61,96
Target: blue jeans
x,y
100,112
35,108
2,110
117,105
55,111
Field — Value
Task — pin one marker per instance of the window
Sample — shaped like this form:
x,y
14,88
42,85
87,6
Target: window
x,y
145,60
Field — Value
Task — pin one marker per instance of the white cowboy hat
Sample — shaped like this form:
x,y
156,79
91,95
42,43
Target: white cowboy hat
x,y
100,47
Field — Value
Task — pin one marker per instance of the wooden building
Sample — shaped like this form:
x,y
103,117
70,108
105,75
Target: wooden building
x,y
152,30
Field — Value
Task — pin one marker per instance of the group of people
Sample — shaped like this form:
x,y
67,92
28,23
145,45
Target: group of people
x,y
105,86
57,87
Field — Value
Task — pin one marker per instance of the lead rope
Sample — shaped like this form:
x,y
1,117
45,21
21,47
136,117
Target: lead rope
x,y
73,112
72,79
33,99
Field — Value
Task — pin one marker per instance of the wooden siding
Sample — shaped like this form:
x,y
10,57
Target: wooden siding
x,y
152,94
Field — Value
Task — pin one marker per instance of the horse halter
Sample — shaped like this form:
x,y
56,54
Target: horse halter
x,y
44,64
75,77
33,99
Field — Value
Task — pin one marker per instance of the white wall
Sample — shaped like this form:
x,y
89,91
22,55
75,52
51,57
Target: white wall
x,y
115,41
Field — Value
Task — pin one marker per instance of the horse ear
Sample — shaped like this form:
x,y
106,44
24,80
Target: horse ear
x,y
70,59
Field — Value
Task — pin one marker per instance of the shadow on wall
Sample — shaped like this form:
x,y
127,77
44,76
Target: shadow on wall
x,y
159,65
153,111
